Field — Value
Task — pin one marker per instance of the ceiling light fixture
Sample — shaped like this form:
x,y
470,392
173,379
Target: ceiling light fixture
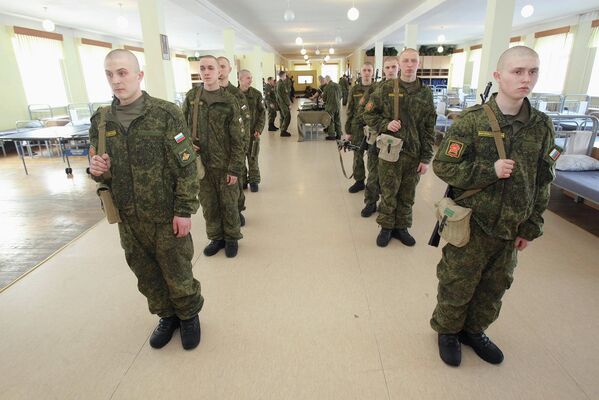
x,y
47,24
331,51
527,10
289,15
305,57
440,49
441,38
121,21
303,51
353,13
327,57
317,52
299,41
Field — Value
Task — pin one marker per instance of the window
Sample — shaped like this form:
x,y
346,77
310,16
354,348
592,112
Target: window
x,y
182,74
475,60
305,79
593,89
40,64
513,44
457,66
554,53
331,70
92,63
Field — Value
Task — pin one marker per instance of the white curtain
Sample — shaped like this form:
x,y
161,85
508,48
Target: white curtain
x,y
554,53
475,56
182,74
92,63
458,67
594,42
40,64
593,89
331,70
513,44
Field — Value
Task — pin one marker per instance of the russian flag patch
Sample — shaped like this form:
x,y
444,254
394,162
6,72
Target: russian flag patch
x,y
180,137
554,153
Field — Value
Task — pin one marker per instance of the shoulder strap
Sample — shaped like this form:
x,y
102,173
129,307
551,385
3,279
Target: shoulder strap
x,y
194,120
396,99
102,137
498,143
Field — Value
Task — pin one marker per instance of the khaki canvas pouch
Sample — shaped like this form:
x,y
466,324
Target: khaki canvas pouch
x,y
389,147
454,222
370,135
103,190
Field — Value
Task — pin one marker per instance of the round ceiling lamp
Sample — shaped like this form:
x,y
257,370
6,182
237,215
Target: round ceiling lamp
x,y
303,51
299,41
317,52
440,49
353,13
441,38
121,21
47,24
527,10
331,51
338,39
288,15
305,56
327,57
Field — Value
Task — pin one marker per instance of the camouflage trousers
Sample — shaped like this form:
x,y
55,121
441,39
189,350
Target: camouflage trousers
x,y
472,281
357,136
335,126
251,172
272,114
162,264
344,96
285,118
398,182
220,206
373,190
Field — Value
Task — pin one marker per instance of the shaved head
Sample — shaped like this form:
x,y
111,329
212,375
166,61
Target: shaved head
x,y
244,72
515,52
223,58
125,55
408,50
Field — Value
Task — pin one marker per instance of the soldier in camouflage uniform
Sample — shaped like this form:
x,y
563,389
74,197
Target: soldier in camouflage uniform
x,y
354,126
331,96
256,107
283,101
372,189
271,103
149,164
344,84
223,80
220,142
415,127
506,214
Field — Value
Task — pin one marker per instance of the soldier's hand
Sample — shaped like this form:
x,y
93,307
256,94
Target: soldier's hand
x,y
195,148
504,168
231,180
347,137
422,168
99,164
520,243
181,226
394,125
257,135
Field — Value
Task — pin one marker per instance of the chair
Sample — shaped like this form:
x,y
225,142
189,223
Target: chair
x,y
27,125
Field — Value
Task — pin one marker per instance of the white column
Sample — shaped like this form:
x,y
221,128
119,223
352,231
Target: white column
x,y
378,58
498,26
411,36
229,41
580,64
255,68
159,72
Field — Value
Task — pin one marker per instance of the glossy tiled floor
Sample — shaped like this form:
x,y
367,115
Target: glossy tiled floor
x,y
310,309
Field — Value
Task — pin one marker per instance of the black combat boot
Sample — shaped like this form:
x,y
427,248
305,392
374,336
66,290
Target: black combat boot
x,y
331,138
356,187
241,219
272,128
368,210
285,134
231,248
244,186
164,332
190,333
253,187
403,236
213,247
482,346
450,349
384,237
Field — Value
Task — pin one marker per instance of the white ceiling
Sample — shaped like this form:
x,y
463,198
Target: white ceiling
x,y
198,24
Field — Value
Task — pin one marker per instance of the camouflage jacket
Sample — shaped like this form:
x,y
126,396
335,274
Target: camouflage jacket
x,y
269,94
505,208
331,95
282,94
365,98
154,174
257,111
221,134
344,84
244,110
417,116
354,116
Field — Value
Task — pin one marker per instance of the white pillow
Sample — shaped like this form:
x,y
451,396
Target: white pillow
x,y
576,162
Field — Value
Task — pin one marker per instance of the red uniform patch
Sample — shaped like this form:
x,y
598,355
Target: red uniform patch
x,y
454,149
369,106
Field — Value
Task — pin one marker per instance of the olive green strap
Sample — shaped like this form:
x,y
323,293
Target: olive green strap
x,y
102,137
396,115
194,121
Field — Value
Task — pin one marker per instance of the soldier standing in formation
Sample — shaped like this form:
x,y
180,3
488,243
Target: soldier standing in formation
x,y
283,101
506,213
331,95
344,83
150,167
414,123
251,174
223,80
214,114
354,126
271,103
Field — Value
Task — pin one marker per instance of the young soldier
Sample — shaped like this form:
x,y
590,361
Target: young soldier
x,y
213,115
414,123
256,107
271,102
283,101
223,80
150,166
331,96
354,126
506,213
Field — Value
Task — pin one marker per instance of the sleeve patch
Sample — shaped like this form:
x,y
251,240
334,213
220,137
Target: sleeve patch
x,y
454,149
369,106
111,133
555,152
180,137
